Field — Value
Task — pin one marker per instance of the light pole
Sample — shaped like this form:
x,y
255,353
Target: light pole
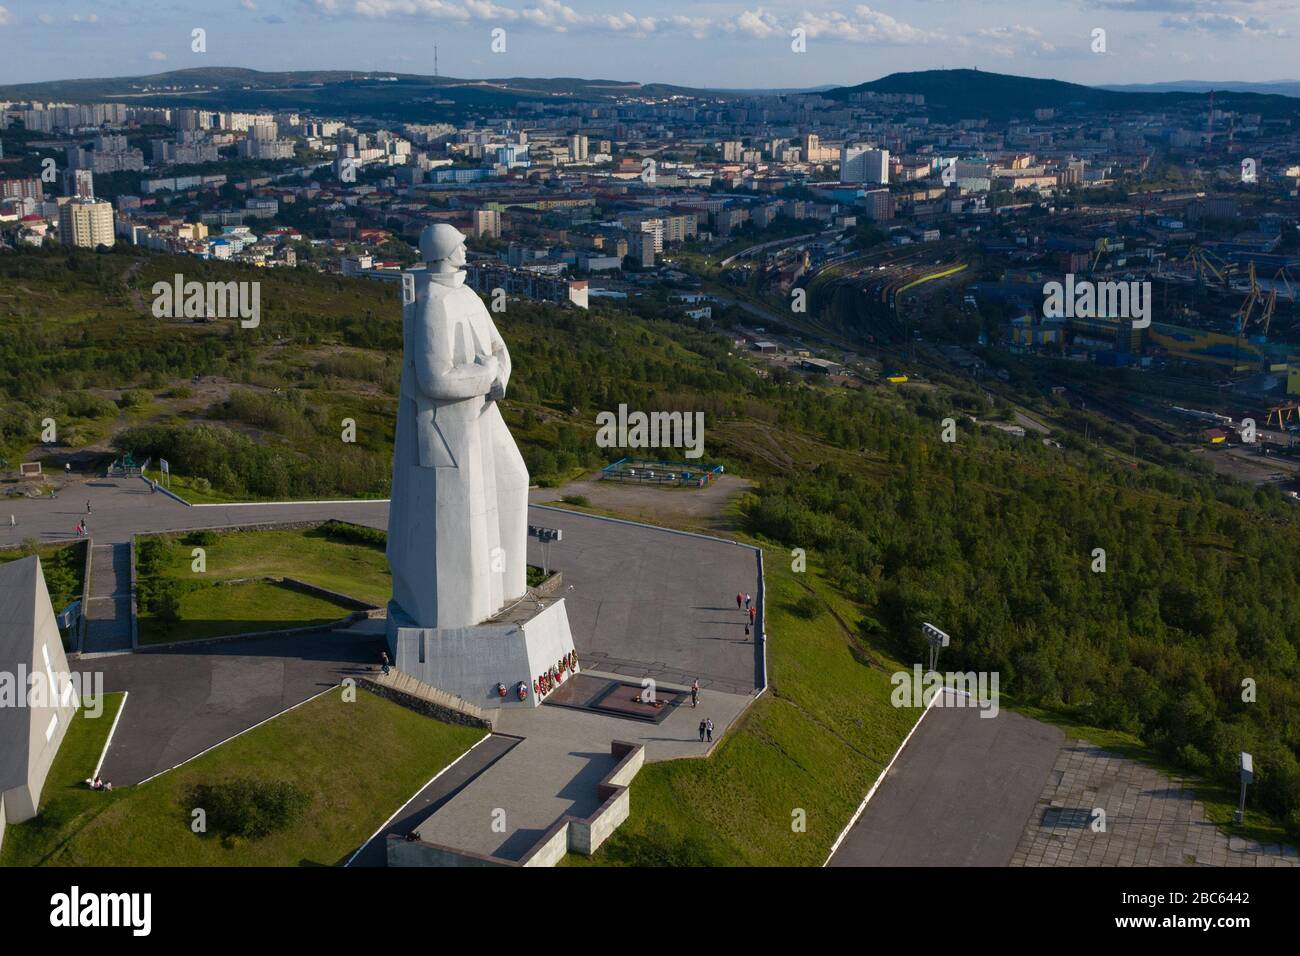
x,y
545,536
1247,777
937,640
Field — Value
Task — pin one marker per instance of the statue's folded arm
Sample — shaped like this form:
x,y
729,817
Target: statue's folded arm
x,y
437,376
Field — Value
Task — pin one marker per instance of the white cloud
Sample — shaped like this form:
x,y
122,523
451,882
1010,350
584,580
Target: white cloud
x,y
862,25
1221,23
158,55
5,16
1013,40
758,24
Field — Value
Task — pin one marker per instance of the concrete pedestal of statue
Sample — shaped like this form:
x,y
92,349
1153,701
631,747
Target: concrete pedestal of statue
x,y
461,617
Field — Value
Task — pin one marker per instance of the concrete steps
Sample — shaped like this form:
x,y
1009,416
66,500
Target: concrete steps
x,y
108,614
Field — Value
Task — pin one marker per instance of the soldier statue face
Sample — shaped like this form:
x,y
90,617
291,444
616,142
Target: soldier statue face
x,y
443,247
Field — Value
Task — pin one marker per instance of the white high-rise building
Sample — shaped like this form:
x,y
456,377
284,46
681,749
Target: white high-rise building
x,y
863,164
577,147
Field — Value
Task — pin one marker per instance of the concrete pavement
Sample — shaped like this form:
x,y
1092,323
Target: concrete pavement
x,y
959,794
554,771
435,795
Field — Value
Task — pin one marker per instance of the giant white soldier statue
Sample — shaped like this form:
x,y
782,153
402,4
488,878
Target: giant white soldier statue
x,y
457,524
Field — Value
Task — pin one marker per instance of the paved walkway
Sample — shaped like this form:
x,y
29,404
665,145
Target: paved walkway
x,y
554,771
434,796
121,507
958,794
1150,819
108,615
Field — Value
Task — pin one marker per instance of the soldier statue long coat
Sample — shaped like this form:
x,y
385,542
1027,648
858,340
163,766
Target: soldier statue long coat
x,y
457,528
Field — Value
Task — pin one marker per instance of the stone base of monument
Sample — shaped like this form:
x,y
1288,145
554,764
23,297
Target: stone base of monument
x,y
520,644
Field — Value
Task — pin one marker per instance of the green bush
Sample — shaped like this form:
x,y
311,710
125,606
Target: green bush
x,y
247,808
580,500
164,602
202,539
808,607
353,534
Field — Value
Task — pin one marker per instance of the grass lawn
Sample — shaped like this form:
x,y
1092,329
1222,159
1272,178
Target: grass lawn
x,y
815,742
64,567
355,569
358,762
216,610
67,804
185,488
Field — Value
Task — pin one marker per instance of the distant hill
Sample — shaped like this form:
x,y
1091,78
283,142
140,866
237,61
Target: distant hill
x,y
404,95
977,93
1278,87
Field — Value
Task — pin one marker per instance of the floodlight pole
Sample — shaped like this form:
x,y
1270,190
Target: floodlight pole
x,y
937,639
544,537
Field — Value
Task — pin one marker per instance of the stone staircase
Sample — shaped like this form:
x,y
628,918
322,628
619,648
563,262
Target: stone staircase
x,y
108,614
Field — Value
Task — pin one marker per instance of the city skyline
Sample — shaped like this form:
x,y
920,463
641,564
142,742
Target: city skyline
x,y
735,45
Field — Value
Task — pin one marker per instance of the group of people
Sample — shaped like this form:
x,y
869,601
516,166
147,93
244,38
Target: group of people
x,y
82,530
547,682
706,730
98,783
746,603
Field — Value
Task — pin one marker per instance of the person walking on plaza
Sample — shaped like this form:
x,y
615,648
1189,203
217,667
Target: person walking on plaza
x,y
752,612
13,521
87,506
695,692
383,661
703,728
747,600
739,598
708,729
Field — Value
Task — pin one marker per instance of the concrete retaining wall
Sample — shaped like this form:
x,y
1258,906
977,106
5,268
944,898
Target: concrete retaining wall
x,y
85,596
418,696
551,586
403,852
550,849
135,602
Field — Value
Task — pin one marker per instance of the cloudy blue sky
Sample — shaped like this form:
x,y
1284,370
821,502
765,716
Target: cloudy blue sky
x,y
694,42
